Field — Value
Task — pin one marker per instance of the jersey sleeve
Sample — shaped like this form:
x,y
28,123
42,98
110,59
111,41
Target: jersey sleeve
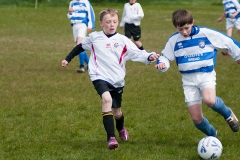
x,y
140,13
236,3
135,54
91,16
223,42
168,50
75,51
122,23
68,14
87,41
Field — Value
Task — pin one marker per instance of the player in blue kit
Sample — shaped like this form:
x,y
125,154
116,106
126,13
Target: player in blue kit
x,y
82,19
194,49
232,14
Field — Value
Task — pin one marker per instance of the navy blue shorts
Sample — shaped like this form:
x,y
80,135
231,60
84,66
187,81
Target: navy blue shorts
x,y
116,93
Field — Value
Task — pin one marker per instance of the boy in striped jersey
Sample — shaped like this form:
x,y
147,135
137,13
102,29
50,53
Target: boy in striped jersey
x,y
109,53
82,19
232,14
194,49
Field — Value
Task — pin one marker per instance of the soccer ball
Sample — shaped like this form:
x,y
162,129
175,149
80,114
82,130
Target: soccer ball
x,y
209,148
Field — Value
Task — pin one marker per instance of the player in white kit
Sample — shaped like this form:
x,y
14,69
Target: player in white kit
x,y
109,53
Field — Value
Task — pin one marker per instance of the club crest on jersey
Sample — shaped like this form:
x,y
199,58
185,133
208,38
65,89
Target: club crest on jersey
x,y
201,44
116,45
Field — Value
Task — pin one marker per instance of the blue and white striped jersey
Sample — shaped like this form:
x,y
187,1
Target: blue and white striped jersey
x,y
197,53
82,13
230,7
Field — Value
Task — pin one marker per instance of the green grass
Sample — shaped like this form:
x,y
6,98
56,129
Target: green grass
x,y
53,113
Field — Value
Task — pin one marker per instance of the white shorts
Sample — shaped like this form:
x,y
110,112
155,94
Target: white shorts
x,y
230,23
194,83
79,30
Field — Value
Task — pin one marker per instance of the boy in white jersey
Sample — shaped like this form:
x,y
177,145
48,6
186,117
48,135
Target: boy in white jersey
x,y
231,12
131,18
194,49
82,18
109,53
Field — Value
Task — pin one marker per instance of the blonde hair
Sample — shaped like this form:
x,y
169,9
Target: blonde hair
x,y
106,11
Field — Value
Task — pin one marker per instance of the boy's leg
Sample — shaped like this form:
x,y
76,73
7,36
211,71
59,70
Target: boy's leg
x,y
81,57
201,123
227,113
86,59
139,45
108,121
117,113
206,127
119,119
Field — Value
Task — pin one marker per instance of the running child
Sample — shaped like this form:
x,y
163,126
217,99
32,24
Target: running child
x,y
109,53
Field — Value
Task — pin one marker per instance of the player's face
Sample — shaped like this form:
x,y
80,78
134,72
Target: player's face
x,y
132,1
185,30
109,24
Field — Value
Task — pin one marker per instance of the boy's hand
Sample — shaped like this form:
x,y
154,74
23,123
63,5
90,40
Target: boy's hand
x,y
160,66
64,63
89,29
153,56
70,10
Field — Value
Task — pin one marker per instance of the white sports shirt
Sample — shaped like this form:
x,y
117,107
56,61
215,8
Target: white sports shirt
x,y
109,55
132,14
197,53
230,7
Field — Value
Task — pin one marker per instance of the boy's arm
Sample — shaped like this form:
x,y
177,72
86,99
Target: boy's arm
x,y
220,18
91,16
76,50
122,23
140,13
237,5
162,64
223,42
70,10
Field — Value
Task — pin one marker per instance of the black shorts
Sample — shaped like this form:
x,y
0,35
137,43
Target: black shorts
x,y
116,93
132,31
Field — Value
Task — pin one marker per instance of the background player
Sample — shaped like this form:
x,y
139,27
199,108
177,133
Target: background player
x,y
231,12
82,19
131,18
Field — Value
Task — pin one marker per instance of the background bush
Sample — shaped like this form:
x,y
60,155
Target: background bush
x,y
56,3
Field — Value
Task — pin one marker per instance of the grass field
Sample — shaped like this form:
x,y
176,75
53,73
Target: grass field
x,y
52,113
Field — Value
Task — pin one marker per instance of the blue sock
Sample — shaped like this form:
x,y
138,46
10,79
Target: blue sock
x,y
81,57
221,108
206,127
86,58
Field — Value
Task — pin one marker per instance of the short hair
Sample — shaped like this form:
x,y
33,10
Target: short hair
x,y
181,17
106,11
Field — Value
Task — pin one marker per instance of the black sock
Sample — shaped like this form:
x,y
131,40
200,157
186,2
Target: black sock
x,y
120,123
108,123
141,48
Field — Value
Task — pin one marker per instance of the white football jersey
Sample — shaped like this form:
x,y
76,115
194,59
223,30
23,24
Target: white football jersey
x,y
109,55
